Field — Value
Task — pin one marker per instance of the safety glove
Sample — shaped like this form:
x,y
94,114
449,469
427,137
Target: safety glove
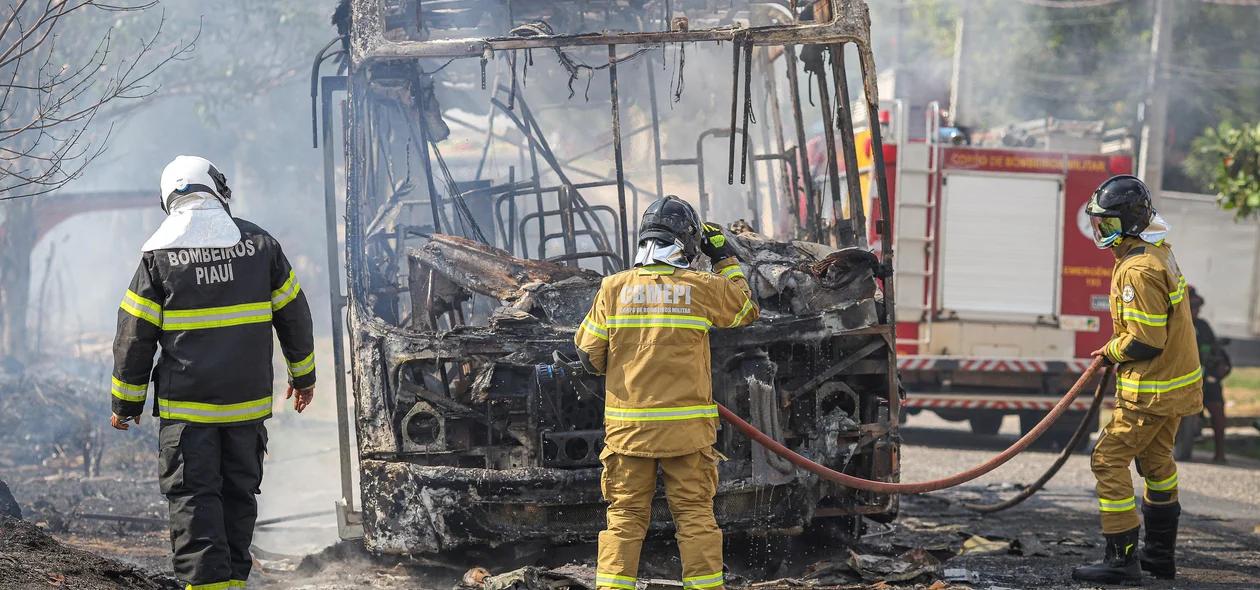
x,y
714,243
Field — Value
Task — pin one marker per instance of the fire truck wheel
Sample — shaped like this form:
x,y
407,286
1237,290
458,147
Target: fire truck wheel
x,y
988,423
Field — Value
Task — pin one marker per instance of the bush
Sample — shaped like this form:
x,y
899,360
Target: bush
x,y
1227,159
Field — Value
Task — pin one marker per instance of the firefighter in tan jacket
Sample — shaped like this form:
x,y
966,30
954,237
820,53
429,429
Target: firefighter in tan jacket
x,y
648,331
1158,381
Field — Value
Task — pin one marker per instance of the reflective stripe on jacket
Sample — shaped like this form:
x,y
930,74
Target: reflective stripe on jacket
x,y
212,311
1151,315
648,330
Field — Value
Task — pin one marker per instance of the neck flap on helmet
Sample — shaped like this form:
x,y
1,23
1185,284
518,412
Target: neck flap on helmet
x,y
196,220
653,251
1156,231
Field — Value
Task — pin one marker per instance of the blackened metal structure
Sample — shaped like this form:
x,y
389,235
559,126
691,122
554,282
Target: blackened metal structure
x,y
460,282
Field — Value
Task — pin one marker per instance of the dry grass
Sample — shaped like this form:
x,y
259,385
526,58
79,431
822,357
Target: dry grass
x,y
1242,392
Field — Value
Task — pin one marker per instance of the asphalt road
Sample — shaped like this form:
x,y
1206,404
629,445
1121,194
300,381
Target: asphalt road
x,y
1220,522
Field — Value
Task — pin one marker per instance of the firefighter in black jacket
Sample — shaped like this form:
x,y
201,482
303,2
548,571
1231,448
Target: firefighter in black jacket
x,y
209,290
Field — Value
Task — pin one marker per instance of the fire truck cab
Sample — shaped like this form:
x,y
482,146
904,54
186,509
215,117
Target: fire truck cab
x,y
1003,293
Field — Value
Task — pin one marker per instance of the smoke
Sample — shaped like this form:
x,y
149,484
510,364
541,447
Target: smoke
x,y
242,102
693,91
1026,59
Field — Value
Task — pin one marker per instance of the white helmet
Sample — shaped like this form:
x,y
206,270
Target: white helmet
x,y
191,174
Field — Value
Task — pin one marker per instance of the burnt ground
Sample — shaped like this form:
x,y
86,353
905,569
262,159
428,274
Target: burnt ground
x,y
1032,546
30,558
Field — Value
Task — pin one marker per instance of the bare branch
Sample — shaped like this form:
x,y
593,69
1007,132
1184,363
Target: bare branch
x,y
8,22
45,137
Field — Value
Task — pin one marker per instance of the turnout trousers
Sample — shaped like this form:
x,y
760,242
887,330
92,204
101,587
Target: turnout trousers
x,y
1148,439
210,476
628,484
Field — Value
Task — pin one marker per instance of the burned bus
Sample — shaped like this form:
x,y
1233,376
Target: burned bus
x,y
497,156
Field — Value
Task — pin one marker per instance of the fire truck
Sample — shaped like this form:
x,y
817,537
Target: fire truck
x,y
1002,293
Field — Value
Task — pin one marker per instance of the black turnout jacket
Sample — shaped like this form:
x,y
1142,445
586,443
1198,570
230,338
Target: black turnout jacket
x,y
212,311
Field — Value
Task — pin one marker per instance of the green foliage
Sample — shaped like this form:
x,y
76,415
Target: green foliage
x,y
1090,63
1227,159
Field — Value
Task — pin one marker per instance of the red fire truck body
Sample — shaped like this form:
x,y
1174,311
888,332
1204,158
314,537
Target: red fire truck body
x,y
1001,293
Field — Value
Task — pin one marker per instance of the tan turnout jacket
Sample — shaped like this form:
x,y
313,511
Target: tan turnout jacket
x,y
648,332
1151,313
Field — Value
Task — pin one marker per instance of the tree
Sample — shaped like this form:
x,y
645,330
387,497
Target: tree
x,y
1227,159
53,85
1069,60
82,91
60,69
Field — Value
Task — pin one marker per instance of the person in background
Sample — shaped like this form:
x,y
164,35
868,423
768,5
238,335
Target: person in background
x,y
1216,366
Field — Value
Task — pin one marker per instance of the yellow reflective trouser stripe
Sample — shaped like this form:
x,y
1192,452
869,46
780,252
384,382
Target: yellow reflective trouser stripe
x,y
214,413
739,317
217,317
1117,505
1176,296
709,581
216,585
127,392
1137,386
615,581
1163,485
142,308
286,293
692,322
1149,319
595,329
731,272
659,414
303,366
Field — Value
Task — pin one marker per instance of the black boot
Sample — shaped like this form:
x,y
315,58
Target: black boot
x,y
1160,545
1119,565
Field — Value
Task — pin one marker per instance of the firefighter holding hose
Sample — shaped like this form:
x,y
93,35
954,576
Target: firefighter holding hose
x,y
648,331
1158,381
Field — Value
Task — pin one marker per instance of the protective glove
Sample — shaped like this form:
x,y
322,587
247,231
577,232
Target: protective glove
x,y
714,243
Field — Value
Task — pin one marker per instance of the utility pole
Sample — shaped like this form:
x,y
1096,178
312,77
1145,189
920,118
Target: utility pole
x,y
960,82
1155,115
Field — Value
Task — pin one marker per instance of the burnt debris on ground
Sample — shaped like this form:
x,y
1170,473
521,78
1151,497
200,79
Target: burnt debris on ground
x,y
30,558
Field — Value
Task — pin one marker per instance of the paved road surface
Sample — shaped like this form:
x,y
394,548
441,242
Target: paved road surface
x,y
1221,506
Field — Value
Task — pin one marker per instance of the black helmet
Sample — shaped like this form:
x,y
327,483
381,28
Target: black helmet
x,y
1196,300
1120,206
670,220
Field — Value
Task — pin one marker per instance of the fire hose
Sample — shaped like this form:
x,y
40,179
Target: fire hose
x,y
1082,432
926,486
549,372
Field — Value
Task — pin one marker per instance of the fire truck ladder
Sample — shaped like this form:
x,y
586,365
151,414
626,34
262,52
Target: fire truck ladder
x,y
926,167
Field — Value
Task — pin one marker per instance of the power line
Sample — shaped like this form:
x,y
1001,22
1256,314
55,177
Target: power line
x,y
1070,3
